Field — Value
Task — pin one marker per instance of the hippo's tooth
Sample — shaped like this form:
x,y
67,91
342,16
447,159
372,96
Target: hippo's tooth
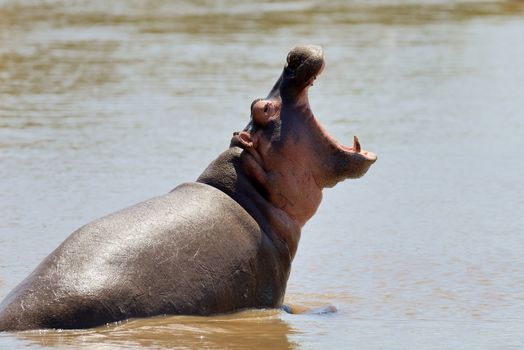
x,y
356,144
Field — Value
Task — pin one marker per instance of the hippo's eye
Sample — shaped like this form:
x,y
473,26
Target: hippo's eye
x,y
254,102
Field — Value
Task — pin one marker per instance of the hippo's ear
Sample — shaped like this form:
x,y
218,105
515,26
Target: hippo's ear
x,y
245,139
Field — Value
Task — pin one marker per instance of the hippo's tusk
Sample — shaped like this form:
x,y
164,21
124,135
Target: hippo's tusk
x,y
356,144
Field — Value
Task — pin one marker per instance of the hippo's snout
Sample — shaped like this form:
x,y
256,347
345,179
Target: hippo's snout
x,y
305,60
304,63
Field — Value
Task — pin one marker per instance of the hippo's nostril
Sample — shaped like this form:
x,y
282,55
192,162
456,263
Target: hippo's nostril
x,y
266,108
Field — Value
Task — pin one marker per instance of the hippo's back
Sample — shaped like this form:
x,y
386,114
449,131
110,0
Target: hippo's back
x,y
191,251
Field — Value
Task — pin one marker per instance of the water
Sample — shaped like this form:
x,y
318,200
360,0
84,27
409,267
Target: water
x,y
105,104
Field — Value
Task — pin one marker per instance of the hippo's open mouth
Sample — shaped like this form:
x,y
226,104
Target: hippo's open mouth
x,y
303,66
355,149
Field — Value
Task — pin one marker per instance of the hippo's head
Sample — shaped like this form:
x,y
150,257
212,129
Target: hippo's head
x,y
289,154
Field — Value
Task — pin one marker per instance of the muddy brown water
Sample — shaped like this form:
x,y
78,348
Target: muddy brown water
x,y
104,104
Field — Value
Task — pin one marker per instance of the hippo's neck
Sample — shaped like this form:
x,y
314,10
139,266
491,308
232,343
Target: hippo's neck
x,y
227,174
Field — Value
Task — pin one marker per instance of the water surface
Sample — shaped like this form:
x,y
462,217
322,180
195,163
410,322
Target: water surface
x,y
105,104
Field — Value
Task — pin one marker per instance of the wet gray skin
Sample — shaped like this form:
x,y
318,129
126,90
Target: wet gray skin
x,y
220,244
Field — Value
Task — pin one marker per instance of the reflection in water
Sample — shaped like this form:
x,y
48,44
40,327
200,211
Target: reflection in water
x,y
260,329
104,104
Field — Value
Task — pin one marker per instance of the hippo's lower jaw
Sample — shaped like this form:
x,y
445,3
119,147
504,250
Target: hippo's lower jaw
x,y
355,150
352,163
346,162
372,157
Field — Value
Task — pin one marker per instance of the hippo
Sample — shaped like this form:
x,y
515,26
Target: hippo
x,y
217,245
